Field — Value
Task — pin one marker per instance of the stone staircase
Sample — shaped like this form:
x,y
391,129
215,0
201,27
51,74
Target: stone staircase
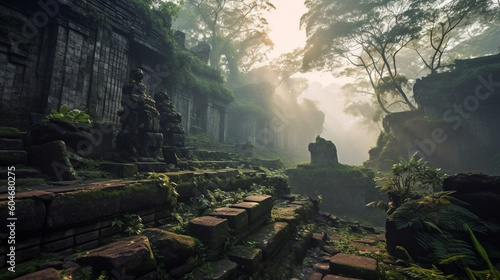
x,y
12,153
12,147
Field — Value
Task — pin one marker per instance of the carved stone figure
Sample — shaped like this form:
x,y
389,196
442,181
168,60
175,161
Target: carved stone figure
x,y
323,151
140,138
171,127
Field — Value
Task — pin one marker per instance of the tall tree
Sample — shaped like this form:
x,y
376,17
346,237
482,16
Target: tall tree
x,y
236,31
446,21
372,35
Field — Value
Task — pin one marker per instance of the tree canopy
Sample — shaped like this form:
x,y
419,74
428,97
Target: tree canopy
x,y
236,31
372,36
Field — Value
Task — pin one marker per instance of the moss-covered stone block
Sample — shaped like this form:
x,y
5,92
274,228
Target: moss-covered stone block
x,y
270,238
237,218
30,214
354,266
212,231
52,159
142,195
247,258
127,258
11,144
83,206
120,170
265,200
218,270
11,157
9,132
254,210
174,248
180,176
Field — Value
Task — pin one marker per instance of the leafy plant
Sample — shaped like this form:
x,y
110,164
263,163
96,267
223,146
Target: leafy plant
x,y
438,223
163,181
130,224
492,271
408,179
70,115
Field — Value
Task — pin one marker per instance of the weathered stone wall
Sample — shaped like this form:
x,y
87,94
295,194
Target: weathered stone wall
x,y
79,217
79,53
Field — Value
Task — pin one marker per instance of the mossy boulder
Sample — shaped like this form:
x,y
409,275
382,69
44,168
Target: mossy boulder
x,y
52,159
174,248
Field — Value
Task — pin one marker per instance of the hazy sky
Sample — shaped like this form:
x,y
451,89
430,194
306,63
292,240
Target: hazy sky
x,y
352,141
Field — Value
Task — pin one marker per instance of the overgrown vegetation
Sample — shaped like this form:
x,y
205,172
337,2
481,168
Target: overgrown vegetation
x,y
206,202
408,179
70,115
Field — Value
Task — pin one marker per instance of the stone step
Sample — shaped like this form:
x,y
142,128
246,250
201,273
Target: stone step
x,y
270,238
337,277
218,270
294,213
120,170
249,259
158,167
11,144
11,133
12,157
354,266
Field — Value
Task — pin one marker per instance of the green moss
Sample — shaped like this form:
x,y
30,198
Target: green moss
x,y
8,132
195,75
461,79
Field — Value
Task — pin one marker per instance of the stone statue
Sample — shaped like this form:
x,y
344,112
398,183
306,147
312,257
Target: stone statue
x,y
139,138
171,127
323,151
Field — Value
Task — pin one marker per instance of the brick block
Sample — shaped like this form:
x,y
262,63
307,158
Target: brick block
x,y
86,237
212,231
354,266
59,245
264,200
254,210
237,218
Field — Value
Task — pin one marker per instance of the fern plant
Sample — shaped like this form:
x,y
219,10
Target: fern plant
x,y
408,179
439,224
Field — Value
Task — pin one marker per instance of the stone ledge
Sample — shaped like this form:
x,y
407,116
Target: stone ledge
x,y
354,266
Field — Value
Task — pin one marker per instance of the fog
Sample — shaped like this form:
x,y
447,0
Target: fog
x,y
352,139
